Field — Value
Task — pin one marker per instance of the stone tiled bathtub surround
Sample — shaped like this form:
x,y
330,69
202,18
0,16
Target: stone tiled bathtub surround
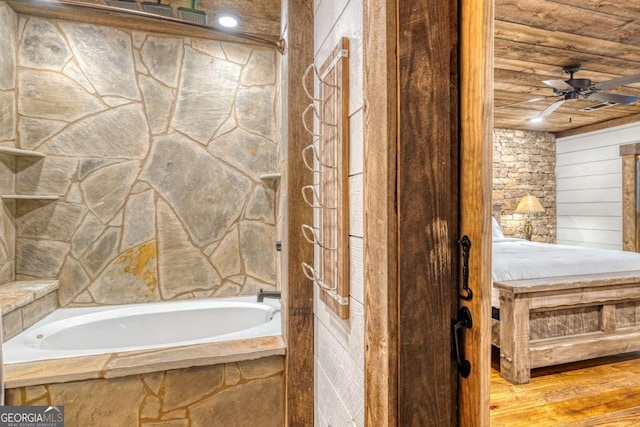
x,y
246,393
156,145
24,303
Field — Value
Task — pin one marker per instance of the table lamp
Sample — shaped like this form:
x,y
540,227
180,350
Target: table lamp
x,y
529,204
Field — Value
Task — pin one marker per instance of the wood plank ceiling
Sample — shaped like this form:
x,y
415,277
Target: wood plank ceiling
x,y
535,39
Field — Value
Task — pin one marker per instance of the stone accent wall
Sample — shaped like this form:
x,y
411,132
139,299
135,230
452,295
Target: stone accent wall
x,y
156,145
8,56
239,394
524,163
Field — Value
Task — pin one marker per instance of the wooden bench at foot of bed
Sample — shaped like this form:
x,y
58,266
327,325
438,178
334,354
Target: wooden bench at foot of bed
x,y
556,320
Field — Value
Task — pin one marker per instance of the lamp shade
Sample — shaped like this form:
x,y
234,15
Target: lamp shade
x,y
529,204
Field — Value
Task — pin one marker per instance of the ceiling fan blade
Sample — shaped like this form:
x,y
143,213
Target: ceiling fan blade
x,y
550,109
612,97
527,101
558,84
621,81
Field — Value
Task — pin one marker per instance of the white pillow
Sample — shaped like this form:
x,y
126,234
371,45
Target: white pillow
x,y
497,231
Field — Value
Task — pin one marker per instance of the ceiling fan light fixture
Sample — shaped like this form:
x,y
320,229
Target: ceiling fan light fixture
x,y
572,96
227,19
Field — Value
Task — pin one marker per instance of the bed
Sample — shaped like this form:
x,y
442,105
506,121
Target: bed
x,y
554,304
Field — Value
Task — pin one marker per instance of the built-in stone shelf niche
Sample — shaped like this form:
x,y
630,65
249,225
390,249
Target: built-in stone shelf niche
x,y
271,178
19,152
28,197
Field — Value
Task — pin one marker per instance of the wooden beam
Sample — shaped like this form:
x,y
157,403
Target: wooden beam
x,y
297,289
625,9
561,57
599,126
567,17
98,14
629,203
380,219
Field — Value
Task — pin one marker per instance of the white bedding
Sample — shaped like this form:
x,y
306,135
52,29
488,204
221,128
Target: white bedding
x,y
515,259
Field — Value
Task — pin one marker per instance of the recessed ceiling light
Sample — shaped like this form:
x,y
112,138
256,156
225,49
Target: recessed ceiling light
x,y
227,19
536,119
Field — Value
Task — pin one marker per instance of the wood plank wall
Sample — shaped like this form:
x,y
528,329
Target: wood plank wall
x,y
339,393
589,187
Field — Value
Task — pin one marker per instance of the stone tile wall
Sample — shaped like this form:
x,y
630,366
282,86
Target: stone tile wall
x,y
156,145
524,163
239,394
8,34
8,57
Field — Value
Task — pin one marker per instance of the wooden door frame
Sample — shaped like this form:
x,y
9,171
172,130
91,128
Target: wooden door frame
x,y
408,59
380,215
476,141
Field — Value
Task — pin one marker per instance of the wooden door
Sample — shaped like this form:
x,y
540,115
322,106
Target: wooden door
x,y
427,182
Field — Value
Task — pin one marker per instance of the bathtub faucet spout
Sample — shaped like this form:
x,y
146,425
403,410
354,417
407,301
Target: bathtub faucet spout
x,y
268,294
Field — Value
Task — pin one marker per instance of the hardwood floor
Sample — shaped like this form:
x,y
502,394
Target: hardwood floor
x,y
600,392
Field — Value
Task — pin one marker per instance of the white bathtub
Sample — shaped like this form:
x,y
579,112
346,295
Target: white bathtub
x,y
75,332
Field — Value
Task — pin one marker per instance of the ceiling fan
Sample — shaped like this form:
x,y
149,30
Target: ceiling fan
x,y
574,89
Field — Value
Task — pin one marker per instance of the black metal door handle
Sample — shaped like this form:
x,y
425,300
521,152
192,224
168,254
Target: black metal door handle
x,y
465,244
462,321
